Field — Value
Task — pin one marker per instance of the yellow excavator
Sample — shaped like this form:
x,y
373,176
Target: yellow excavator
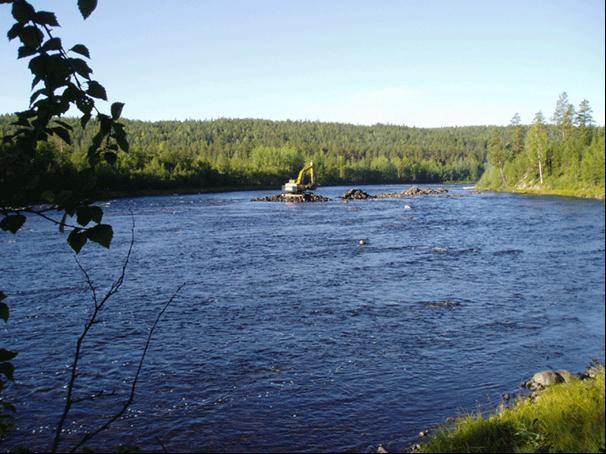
x,y
298,187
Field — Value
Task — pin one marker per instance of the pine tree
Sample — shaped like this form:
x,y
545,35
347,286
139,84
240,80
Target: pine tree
x,y
517,139
584,121
515,120
583,117
568,118
537,143
561,109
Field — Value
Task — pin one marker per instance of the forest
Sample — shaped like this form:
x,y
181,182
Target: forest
x,y
240,153
251,153
563,157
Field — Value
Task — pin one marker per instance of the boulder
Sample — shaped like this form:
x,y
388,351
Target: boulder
x,y
543,379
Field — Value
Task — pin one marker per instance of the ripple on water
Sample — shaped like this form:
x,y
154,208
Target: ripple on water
x,y
293,337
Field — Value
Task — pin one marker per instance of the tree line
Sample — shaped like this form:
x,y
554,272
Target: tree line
x,y
564,155
246,153
249,153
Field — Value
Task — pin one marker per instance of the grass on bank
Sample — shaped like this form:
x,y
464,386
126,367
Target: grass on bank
x,y
565,185
590,192
593,192
568,417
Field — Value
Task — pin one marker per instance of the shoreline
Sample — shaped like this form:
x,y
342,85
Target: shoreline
x,y
513,424
568,193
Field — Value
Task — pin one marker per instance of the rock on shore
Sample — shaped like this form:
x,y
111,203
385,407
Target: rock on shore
x,y
546,378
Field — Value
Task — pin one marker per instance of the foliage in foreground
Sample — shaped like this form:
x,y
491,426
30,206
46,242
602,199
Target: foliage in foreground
x,y
61,79
568,417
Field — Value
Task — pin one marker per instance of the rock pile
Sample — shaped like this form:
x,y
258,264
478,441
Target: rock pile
x,y
357,194
352,194
412,192
293,198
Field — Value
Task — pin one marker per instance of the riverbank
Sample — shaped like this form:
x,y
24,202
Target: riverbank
x,y
582,193
563,417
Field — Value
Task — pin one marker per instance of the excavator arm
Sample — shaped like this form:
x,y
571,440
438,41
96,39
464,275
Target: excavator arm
x,y
307,169
297,186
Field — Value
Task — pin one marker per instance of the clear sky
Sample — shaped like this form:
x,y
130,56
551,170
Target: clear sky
x,y
419,63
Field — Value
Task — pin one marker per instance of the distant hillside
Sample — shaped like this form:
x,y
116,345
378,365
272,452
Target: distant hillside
x,y
253,153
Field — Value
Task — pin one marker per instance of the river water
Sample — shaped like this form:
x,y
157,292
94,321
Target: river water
x,y
290,335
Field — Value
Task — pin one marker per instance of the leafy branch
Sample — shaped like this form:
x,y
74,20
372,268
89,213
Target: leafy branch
x,y
60,80
98,305
79,235
63,79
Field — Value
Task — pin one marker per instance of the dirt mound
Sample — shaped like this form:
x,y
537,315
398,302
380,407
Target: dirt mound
x,y
357,194
293,198
412,192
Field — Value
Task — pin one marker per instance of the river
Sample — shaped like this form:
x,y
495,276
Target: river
x,y
290,335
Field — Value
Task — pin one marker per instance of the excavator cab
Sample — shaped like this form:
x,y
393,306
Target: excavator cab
x,y
298,186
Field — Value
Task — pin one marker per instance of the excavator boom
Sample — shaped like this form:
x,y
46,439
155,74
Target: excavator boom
x,y
297,186
307,169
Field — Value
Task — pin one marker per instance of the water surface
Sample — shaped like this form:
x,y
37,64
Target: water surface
x,y
290,336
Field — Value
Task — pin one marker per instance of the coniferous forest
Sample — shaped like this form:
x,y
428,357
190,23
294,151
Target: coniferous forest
x,y
566,154
563,157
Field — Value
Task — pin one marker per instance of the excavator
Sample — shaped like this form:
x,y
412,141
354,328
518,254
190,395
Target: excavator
x,y
296,188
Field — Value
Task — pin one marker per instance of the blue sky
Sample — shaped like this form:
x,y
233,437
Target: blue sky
x,y
419,63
